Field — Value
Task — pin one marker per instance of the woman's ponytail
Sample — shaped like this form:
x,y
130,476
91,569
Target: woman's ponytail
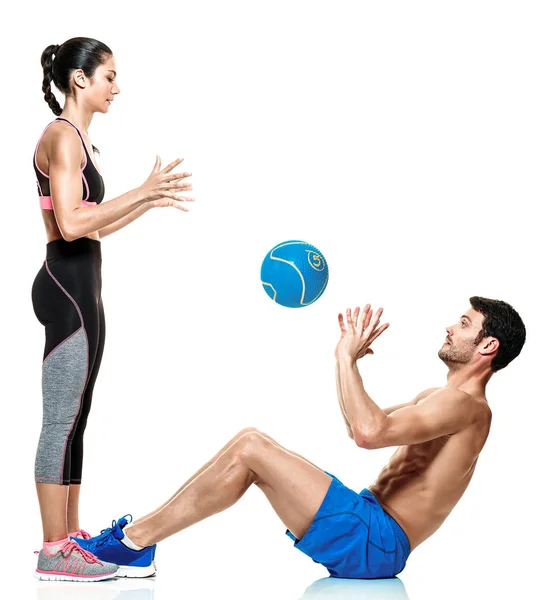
x,y
47,60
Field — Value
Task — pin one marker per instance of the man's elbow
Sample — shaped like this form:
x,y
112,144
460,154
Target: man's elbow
x,y
370,439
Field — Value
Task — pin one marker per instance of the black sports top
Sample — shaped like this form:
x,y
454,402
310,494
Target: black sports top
x,y
93,185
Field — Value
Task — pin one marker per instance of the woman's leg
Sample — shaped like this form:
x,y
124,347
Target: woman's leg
x,y
96,330
294,487
53,500
72,510
64,374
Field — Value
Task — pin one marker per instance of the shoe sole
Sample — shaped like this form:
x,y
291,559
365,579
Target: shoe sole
x,y
136,572
43,576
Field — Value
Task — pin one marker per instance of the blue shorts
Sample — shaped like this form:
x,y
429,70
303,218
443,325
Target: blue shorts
x,y
353,537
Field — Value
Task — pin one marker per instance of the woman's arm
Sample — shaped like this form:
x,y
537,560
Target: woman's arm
x,y
75,220
129,218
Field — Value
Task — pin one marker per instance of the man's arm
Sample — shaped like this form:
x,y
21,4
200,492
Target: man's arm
x,y
417,399
387,411
341,403
444,412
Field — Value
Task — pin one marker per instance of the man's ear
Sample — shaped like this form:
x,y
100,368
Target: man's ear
x,y
489,345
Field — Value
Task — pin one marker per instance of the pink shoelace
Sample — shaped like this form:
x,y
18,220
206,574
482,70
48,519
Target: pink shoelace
x,y
72,546
83,534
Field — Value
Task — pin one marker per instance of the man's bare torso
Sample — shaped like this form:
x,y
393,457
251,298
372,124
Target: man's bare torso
x,y
422,483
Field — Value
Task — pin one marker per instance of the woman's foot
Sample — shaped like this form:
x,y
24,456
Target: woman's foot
x,y
67,561
81,534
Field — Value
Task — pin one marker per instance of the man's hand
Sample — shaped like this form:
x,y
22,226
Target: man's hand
x,y
358,334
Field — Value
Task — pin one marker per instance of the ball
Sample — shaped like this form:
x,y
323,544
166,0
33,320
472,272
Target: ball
x,y
294,274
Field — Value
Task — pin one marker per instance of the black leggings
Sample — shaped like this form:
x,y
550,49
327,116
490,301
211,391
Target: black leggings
x,y
67,300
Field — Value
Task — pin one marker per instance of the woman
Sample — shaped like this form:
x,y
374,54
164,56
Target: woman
x,y
67,290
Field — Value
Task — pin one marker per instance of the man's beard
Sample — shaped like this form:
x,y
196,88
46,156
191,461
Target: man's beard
x,y
452,355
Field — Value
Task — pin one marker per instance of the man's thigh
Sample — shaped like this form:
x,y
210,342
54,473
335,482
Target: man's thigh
x,y
294,486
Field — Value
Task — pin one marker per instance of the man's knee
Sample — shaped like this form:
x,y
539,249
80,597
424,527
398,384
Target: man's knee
x,y
251,442
245,431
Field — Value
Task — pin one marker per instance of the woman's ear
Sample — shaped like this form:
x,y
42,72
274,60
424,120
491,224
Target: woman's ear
x,y
79,78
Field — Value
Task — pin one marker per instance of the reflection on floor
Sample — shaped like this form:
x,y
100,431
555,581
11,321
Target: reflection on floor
x,y
113,589
356,589
144,589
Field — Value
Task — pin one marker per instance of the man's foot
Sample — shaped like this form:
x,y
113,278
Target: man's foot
x,y
69,562
111,546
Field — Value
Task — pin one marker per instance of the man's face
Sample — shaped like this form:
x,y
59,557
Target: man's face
x,y
462,338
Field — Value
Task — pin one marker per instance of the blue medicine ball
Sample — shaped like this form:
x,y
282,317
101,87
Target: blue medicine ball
x,y
294,273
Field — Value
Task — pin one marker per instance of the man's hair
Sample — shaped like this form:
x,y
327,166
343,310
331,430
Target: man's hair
x,y
504,323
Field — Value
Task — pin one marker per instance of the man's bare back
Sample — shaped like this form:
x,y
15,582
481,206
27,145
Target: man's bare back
x,y
423,482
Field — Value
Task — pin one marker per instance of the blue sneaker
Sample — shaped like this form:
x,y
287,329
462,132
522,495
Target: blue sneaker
x,y
132,563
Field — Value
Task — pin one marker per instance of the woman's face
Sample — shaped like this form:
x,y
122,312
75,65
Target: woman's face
x,y
102,86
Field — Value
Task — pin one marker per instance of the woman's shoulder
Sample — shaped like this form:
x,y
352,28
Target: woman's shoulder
x,y
61,136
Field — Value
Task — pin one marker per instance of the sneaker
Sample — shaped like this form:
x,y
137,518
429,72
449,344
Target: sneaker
x,y
108,546
81,534
73,563
89,543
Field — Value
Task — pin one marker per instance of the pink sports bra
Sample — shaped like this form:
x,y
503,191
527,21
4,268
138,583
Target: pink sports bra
x,y
93,185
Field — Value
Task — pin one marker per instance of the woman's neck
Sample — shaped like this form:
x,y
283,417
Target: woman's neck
x,y
77,115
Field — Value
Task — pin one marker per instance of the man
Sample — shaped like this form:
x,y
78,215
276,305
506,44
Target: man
x,y
440,434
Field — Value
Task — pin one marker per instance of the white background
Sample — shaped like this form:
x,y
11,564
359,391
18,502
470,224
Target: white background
x,y
415,144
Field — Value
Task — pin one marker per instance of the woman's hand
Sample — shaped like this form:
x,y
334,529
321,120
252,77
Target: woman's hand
x,y
161,188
